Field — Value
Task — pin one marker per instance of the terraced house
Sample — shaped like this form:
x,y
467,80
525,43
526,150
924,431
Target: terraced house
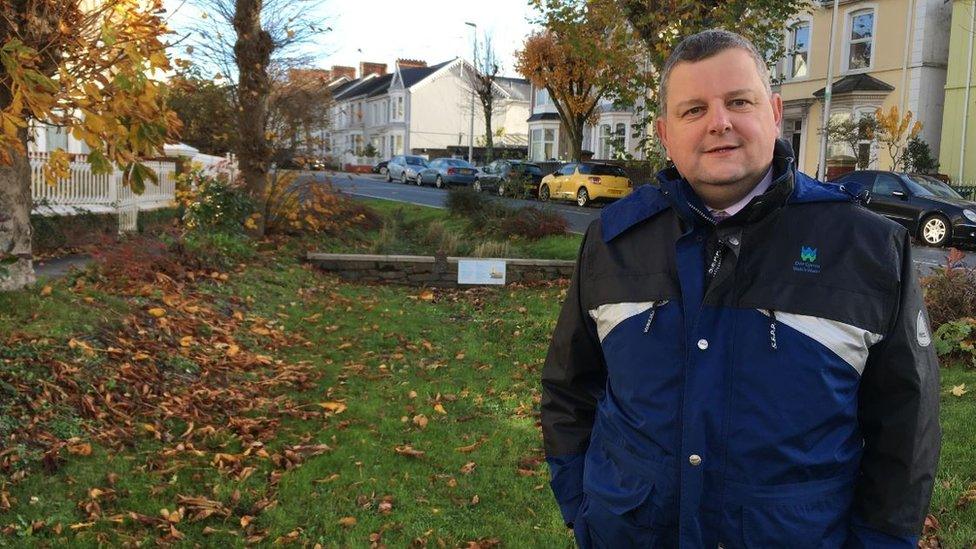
x,y
958,151
886,52
417,109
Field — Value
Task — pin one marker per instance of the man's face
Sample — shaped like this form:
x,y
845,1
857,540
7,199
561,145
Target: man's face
x,y
721,125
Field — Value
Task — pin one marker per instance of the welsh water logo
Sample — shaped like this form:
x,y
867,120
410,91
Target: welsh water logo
x,y
808,261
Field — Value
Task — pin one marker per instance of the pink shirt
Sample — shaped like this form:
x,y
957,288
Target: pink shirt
x,y
759,189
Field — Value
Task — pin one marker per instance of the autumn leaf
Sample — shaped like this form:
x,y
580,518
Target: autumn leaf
x,y
959,390
347,522
334,407
46,291
468,468
84,449
409,451
157,312
426,295
420,420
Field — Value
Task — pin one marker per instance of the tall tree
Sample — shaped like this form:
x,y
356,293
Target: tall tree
x,y
482,79
579,59
656,27
253,43
89,67
299,113
207,110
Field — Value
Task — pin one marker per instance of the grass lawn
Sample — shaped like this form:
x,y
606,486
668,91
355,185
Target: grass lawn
x,y
275,403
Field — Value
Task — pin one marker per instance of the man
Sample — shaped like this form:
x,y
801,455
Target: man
x,y
743,358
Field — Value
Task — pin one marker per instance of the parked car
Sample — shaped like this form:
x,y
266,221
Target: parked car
x,y
380,167
448,171
316,164
502,177
933,212
585,182
405,167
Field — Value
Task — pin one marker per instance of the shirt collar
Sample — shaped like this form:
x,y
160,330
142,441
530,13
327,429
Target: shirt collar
x,y
759,189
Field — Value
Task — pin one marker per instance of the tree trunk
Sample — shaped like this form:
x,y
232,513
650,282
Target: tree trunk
x,y
15,228
576,139
489,141
252,52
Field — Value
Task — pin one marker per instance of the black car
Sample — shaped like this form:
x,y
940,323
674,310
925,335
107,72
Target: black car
x,y
380,167
933,212
501,174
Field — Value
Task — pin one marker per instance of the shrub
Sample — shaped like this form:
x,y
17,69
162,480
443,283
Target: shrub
x,y
492,249
465,202
309,206
441,239
954,339
391,234
950,292
211,203
531,223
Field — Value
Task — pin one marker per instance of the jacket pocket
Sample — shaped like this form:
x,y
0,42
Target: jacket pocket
x,y
802,516
627,491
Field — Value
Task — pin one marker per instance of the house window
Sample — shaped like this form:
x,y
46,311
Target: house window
x,y
398,147
606,138
398,108
56,138
799,50
861,40
542,146
542,97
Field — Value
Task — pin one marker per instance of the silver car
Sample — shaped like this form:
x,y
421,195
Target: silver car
x,y
448,171
405,168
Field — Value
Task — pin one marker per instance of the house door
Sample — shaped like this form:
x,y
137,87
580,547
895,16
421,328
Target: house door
x,y
793,132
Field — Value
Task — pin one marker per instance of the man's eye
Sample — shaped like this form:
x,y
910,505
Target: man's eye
x,y
693,111
740,102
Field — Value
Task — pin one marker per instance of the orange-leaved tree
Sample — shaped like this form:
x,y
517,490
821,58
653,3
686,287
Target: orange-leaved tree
x,y
578,59
894,131
91,67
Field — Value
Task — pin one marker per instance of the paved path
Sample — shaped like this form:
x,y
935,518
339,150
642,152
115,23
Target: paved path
x,y
375,186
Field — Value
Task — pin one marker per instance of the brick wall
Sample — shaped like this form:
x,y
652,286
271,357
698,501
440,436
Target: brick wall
x,y
416,270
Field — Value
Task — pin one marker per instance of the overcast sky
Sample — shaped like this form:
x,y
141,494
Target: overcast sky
x,y
430,30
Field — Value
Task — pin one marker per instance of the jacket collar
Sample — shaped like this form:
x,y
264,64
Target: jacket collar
x,y
789,187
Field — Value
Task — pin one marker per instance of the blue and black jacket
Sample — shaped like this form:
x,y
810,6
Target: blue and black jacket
x,y
768,381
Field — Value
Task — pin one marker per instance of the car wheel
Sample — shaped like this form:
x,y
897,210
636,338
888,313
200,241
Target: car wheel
x,y
389,177
582,197
935,230
544,193
383,170
439,183
403,178
419,181
477,186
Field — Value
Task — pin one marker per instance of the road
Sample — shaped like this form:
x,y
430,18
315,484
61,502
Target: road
x,y
374,186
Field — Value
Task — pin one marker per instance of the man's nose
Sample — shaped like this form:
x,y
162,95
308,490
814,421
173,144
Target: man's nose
x,y
719,121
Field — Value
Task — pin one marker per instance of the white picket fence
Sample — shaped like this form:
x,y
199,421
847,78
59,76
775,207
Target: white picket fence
x,y
84,191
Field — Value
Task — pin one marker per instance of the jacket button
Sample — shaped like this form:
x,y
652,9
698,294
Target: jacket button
x,y
694,459
734,241
702,344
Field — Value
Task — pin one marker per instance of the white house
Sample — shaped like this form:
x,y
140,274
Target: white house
x,y
612,136
419,109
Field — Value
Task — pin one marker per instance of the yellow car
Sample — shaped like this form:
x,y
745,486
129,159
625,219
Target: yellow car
x,y
585,182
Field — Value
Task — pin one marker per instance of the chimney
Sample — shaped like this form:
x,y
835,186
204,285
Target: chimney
x,y
366,68
339,71
410,63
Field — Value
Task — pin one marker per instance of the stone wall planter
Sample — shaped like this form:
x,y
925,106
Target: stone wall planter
x,y
440,271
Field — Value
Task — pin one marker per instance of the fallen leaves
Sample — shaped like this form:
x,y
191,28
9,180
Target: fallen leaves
x,y
959,390
334,407
409,451
347,522
468,468
157,312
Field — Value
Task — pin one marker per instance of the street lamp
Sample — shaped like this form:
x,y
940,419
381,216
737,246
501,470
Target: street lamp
x,y
474,52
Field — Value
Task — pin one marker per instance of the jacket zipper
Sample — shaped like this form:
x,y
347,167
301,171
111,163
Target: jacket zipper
x,y
772,329
650,316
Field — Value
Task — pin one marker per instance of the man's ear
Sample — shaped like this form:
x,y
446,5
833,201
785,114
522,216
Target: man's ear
x,y
776,101
662,132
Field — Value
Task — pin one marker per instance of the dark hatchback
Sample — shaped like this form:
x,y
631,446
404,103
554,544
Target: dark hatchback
x,y
501,174
933,212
